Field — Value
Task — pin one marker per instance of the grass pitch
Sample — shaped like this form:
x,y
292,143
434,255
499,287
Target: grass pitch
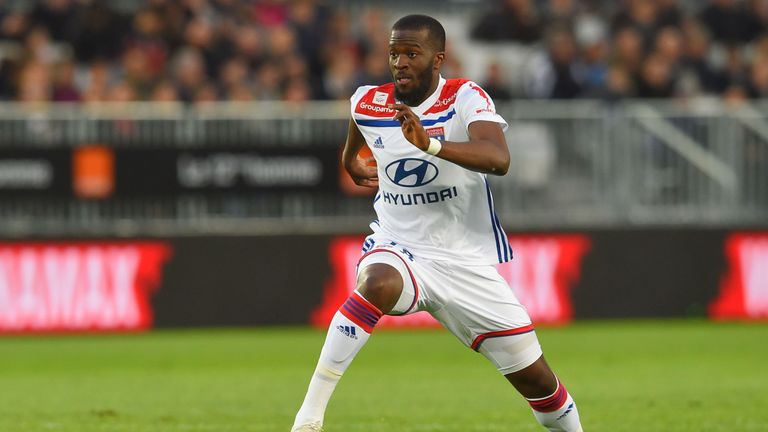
x,y
625,376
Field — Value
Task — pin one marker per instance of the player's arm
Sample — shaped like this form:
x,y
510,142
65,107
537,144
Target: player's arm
x,y
486,151
358,168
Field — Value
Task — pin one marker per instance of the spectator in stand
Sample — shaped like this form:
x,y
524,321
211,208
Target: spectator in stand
x,y
494,83
551,74
95,82
295,68
618,84
148,36
64,87
735,96
35,82
233,74
736,71
729,21
100,32
592,68
201,35
373,70
512,20
279,50
758,78
57,17
372,34
758,9
189,73
628,51
248,45
13,25
339,79
695,59
39,47
296,91
308,21
137,73
642,17
669,47
560,13
655,80
122,92
669,13
268,81
240,92
164,91
206,93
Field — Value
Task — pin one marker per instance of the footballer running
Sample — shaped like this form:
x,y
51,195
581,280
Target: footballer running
x,y
437,238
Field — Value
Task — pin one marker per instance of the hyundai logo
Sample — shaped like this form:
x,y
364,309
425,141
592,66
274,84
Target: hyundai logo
x,y
411,172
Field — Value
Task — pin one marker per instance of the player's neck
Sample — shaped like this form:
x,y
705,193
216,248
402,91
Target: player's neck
x,y
427,94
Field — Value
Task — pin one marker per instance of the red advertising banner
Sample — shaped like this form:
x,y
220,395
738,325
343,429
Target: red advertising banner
x,y
78,286
744,289
542,273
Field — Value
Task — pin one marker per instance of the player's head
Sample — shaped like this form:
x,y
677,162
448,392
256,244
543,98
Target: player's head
x,y
416,52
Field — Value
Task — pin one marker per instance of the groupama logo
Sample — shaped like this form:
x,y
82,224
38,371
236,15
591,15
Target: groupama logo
x,y
411,172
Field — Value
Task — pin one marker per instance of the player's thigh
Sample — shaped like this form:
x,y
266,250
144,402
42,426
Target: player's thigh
x,y
480,301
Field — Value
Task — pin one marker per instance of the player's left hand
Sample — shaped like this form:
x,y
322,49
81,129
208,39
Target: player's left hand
x,y
411,126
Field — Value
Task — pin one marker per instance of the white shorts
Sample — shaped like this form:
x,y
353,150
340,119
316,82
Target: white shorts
x,y
473,302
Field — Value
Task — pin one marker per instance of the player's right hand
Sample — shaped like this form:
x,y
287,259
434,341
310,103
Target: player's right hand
x,y
363,172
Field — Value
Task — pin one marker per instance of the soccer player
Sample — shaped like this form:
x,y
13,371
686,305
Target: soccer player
x,y
437,238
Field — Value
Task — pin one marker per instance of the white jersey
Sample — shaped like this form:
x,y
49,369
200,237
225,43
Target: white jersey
x,y
436,208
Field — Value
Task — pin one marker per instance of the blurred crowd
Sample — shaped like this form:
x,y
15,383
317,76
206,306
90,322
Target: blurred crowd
x,y
633,48
187,50
297,50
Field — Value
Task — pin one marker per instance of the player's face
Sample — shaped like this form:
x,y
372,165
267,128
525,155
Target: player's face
x,y
414,65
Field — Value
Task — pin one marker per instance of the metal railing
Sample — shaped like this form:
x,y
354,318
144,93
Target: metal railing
x,y
574,165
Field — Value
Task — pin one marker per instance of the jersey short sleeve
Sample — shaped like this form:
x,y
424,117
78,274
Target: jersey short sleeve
x,y
473,104
355,98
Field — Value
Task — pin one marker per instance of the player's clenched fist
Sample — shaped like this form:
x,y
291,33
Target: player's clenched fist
x,y
363,172
411,126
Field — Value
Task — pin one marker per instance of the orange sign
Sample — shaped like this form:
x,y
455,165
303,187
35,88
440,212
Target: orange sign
x,y
93,171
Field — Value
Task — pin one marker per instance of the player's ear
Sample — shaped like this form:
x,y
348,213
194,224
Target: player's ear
x,y
439,59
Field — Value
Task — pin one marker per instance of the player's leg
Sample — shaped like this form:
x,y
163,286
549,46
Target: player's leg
x,y
483,312
384,285
519,359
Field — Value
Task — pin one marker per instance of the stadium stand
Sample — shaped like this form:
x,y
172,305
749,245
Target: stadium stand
x,y
203,50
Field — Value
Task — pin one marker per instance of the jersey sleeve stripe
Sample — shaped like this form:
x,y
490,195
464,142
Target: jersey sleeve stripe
x,y
378,123
504,240
493,222
395,123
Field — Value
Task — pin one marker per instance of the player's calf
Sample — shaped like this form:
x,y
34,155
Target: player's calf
x,y
350,329
520,360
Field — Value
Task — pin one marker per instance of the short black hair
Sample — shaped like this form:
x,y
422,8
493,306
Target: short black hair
x,y
418,22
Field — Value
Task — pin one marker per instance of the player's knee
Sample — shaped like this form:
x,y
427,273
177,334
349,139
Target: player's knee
x,y
380,284
536,380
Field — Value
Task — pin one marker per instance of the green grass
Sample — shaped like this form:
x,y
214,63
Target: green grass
x,y
625,376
